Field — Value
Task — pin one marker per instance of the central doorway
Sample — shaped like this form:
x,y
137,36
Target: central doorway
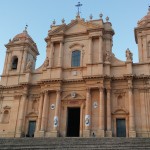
x,y
73,126
121,128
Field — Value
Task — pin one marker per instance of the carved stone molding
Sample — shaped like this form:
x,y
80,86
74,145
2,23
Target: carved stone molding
x,y
17,96
76,44
119,91
1,97
72,102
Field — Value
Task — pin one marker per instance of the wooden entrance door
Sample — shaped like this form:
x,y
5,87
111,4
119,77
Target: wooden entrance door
x,y
31,128
121,127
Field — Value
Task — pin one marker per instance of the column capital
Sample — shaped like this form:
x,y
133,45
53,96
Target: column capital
x,y
130,87
41,93
90,37
101,88
108,89
24,94
61,41
88,89
45,91
58,91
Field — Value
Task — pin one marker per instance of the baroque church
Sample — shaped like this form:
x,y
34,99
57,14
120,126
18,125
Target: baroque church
x,y
82,89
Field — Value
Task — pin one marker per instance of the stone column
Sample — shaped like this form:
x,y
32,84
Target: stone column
x,y
57,112
51,55
21,115
40,112
81,119
24,60
109,128
140,49
100,49
6,62
132,132
60,54
101,113
44,112
9,62
90,50
87,114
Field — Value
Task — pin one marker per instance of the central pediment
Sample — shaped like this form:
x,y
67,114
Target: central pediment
x,y
75,27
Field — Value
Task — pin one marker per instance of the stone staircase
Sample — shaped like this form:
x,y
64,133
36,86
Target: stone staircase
x,y
75,143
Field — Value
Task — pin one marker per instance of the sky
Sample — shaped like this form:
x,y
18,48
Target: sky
x,y
39,15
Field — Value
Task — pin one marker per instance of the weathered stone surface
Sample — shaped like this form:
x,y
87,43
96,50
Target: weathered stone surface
x,y
79,71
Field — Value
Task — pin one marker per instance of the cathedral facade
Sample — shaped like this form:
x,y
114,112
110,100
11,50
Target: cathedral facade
x,y
82,89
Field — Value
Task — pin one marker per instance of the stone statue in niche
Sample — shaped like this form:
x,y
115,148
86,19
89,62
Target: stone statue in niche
x,y
55,121
46,63
107,56
129,55
87,120
29,66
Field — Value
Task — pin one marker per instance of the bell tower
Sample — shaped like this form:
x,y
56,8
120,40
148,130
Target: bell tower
x,y
142,37
21,51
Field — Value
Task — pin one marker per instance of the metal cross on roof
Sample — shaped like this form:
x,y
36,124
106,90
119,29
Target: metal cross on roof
x,y
78,5
26,27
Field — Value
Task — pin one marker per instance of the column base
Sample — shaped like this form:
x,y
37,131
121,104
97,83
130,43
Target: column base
x,y
100,133
41,133
38,134
108,133
132,134
86,133
19,134
54,133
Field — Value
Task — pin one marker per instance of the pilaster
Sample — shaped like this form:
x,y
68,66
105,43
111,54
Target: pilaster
x,y
132,132
38,126
60,55
57,114
90,50
44,112
87,130
19,131
100,49
51,54
101,132
109,126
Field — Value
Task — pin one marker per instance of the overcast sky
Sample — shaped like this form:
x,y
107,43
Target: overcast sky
x,y
39,14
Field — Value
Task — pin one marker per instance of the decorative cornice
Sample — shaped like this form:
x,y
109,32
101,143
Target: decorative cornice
x,y
50,81
94,77
11,87
73,80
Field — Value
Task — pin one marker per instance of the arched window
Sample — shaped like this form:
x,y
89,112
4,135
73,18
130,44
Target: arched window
x,y
5,116
14,63
75,61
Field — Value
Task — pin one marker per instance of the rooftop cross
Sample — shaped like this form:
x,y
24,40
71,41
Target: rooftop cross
x,y
78,5
26,27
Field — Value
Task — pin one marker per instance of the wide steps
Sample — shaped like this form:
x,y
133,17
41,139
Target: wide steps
x,y
75,143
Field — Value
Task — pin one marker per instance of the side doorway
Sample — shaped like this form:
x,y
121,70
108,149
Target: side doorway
x,y
121,127
31,128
